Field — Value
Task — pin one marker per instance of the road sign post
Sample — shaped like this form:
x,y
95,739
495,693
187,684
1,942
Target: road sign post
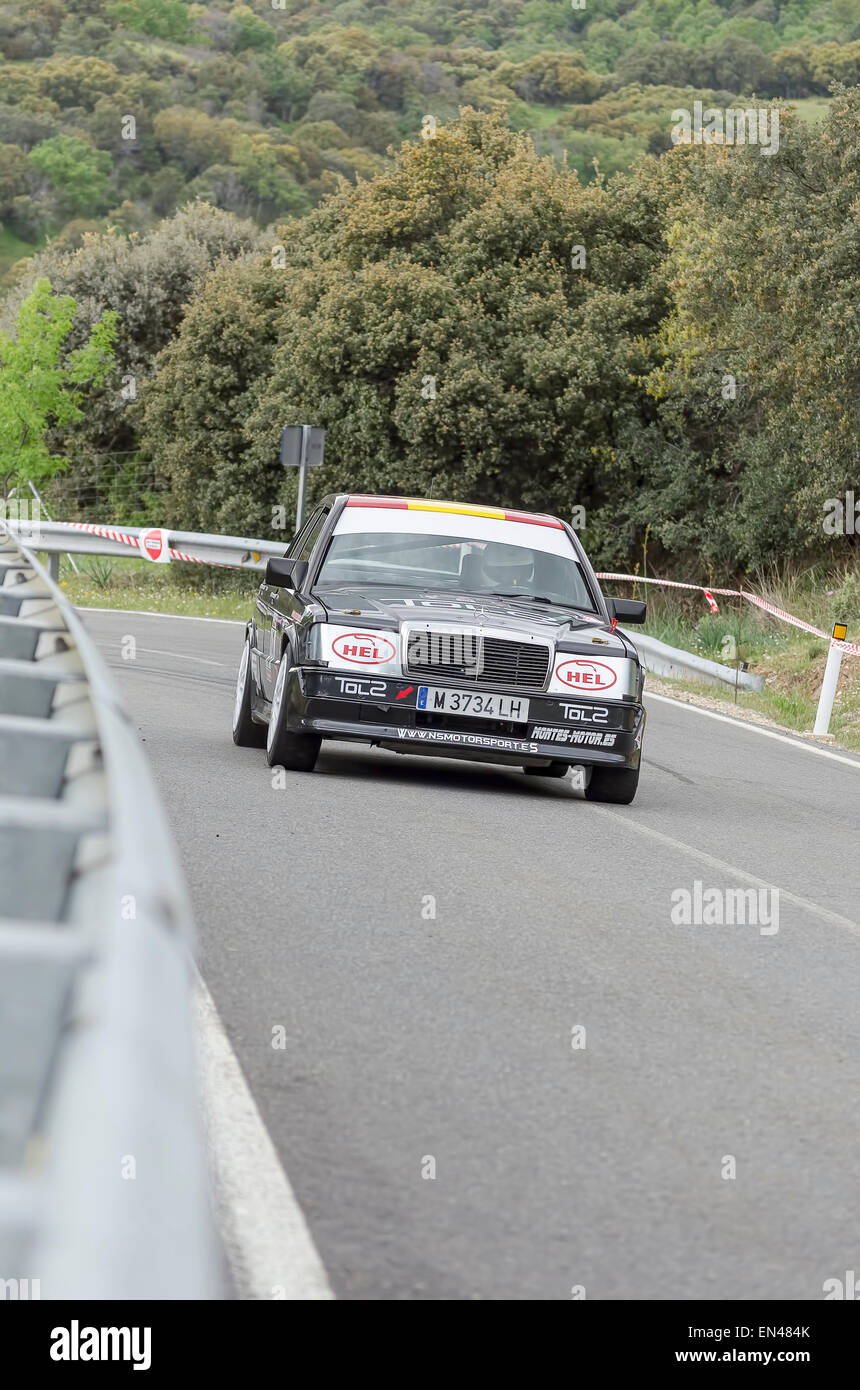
x,y
303,474
302,447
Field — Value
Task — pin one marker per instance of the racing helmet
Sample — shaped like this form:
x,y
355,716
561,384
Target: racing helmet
x,y
507,566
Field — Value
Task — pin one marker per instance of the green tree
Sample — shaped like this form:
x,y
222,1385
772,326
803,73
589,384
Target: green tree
x,y
147,280
758,389
76,81
163,19
193,413
269,172
551,78
735,65
658,64
251,31
77,172
455,268
13,177
193,140
42,385
833,62
794,70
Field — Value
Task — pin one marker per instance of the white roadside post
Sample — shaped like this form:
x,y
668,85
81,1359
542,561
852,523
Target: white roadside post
x,y
831,680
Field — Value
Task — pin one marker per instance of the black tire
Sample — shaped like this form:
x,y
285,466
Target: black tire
x,y
297,752
552,770
615,784
246,733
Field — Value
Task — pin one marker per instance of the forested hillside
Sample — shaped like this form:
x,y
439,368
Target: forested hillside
x,y
673,349
122,112
546,304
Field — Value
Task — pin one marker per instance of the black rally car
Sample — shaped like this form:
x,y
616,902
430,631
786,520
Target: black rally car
x,y
445,629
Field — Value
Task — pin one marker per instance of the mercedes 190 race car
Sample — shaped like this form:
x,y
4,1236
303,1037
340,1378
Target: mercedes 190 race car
x,y
444,629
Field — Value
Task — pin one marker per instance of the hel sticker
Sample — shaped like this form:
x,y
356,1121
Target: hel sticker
x,y
363,648
154,545
585,675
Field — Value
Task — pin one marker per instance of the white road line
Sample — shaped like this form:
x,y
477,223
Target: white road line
x,y
756,729
149,613
833,918
270,1249
184,656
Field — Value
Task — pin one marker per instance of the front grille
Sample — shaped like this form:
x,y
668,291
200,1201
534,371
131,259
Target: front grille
x,y
467,656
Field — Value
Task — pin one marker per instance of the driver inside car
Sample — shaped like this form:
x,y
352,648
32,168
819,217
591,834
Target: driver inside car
x,y
502,568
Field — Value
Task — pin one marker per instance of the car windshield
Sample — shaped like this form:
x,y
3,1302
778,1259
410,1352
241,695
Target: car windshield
x,y
457,563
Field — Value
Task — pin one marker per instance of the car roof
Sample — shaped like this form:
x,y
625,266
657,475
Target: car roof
x,y
433,504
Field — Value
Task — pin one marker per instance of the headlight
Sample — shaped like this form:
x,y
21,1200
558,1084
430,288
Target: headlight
x,y
359,649
607,678
313,643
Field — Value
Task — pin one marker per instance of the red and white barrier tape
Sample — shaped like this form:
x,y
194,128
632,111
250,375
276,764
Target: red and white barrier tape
x,y
128,538
853,648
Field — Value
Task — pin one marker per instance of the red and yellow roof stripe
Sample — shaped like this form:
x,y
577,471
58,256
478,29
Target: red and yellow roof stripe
x,y
419,504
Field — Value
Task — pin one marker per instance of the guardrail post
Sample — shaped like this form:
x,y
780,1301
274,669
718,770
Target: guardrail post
x,y
54,566
831,680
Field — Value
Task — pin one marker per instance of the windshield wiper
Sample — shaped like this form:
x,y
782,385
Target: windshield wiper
x,y
535,598
541,598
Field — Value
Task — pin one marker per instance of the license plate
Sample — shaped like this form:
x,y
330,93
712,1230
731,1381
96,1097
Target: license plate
x,y
472,702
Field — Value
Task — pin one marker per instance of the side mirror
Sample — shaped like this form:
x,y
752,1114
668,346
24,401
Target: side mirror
x,y
626,610
286,574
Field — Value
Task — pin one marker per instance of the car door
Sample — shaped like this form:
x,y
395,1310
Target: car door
x,y
285,608
264,615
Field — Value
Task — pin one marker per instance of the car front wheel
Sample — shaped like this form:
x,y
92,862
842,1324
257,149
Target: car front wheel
x,y
297,752
614,784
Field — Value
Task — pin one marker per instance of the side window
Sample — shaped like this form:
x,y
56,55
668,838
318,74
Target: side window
x,y
295,545
308,539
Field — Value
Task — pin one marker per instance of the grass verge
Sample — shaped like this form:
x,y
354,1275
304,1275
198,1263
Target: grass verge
x,y
198,591
792,661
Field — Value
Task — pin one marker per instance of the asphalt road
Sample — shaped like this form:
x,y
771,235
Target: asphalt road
x,y
412,1036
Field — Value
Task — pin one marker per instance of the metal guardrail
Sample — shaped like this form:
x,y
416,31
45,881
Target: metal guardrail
x,y
674,662
68,537
57,537
103,1178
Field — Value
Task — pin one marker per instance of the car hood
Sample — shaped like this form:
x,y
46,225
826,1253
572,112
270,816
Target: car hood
x,y
389,607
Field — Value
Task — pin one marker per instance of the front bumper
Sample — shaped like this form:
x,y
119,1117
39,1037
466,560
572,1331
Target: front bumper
x,y
383,710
